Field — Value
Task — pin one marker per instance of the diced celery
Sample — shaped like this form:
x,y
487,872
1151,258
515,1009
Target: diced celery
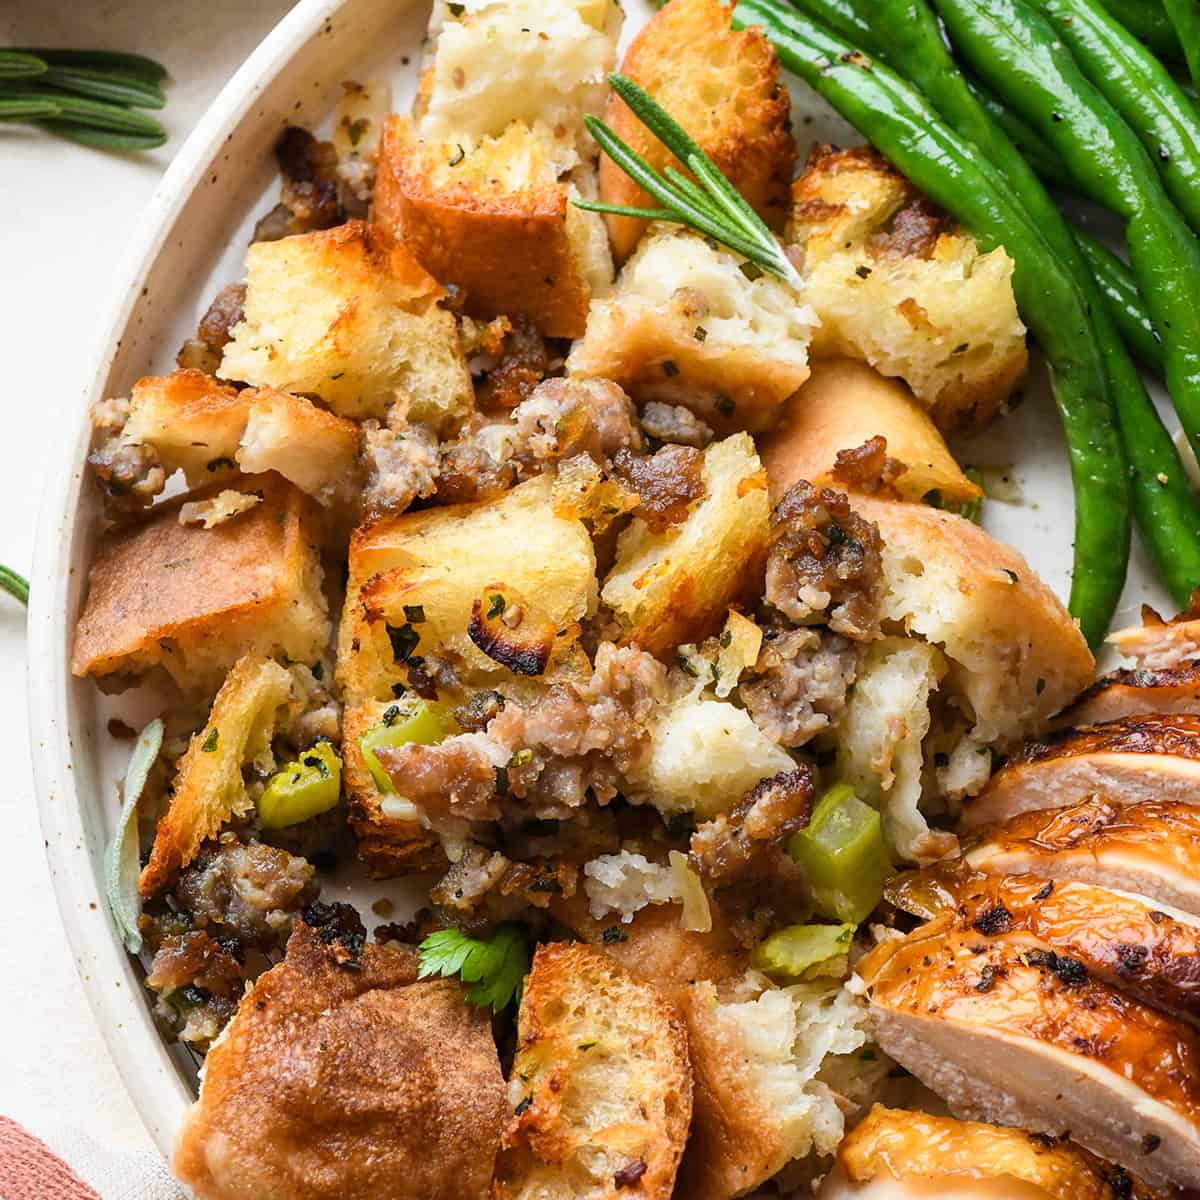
x,y
843,854
302,789
805,951
408,720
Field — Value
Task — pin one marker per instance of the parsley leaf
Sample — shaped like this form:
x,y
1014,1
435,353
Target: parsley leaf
x,y
496,966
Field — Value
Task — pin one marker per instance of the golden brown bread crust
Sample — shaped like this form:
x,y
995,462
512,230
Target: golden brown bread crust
x,y
333,1083
898,1144
843,403
508,249
161,593
1155,733
723,87
632,1067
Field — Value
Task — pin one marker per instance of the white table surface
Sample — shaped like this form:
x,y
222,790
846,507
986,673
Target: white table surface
x,y
69,214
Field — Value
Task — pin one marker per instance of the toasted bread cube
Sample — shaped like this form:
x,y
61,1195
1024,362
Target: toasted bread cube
x,y
674,587
538,62
601,1082
193,421
843,405
307,445
895,284
441,560
351,316
209,789
685,325
722,85
193,601
494,219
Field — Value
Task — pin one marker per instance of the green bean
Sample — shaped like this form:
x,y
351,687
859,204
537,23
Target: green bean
x,y
1184,15
1122,300
951,171
1140,88
14,64
95,114
1147,21
1038,153
1018,53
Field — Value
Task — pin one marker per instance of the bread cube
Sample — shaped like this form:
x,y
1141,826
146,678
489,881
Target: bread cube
x,y
601,1084
349,315
537,62
193,601
686,325
441,560
493,218
896,284
722,85
209,789
308,446
676,586
843,405
1016,655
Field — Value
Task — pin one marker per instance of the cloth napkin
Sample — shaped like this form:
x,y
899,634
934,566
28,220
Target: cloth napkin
x,y
65,1164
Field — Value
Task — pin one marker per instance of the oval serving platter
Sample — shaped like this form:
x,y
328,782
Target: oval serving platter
x,y
191,242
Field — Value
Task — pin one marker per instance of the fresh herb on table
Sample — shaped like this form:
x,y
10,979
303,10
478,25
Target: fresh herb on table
x,y
496,966
15,585
93,97
707,203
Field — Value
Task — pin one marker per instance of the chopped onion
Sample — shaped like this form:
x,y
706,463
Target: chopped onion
x,y
122,860
697,917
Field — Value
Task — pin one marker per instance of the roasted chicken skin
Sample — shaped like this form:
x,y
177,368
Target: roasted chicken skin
x,y
1078,929
1134,759
1138,692
1152,848
901,1155
1005,1038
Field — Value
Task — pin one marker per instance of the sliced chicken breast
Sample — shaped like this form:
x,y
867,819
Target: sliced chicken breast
x,y
1076,929
1139,692
1003,1038
1152,849
893,1154
1157,643
1131,760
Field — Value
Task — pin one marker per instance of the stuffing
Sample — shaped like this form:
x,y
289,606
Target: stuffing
x,y
203,352
600,1084
843,404
1016,657
308,446
757,1064
723,86
625,883
209,787
880,740
441,560
676,586
895,284
687,326
193,601
705,755
218,509
349,315
344,1078
543,63
494,219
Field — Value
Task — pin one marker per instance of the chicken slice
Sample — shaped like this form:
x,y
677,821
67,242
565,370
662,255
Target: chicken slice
x,y
893,1154
1152,848
1078,930
1131,693
1004,1038
1157,643
1131,760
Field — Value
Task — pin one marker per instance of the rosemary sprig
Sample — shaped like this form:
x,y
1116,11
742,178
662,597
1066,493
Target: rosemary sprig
x,y
87,96
708,203
15,585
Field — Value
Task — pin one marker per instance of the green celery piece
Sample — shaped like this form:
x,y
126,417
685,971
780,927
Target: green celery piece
x,y
302,789
843,855
408,720
805,951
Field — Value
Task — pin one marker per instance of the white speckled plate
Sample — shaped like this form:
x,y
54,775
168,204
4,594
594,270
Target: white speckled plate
x,y
191,242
